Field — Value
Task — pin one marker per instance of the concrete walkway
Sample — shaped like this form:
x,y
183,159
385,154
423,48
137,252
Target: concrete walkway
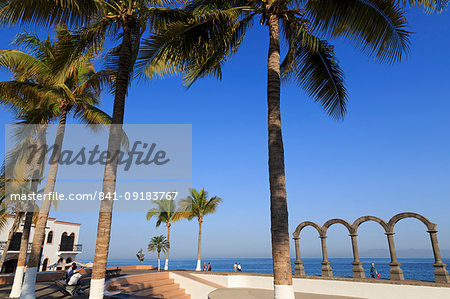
x,y
48,289
244,293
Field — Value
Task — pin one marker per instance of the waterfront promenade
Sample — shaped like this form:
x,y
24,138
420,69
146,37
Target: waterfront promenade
x,y
219,285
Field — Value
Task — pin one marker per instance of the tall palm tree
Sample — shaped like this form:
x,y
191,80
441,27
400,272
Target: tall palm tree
x,y
122,14
207,33
35,177
62,89
123,20
167,213
198,205
158,244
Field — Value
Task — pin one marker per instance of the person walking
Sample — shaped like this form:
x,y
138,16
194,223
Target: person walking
x,y
373,272
209,266
235,267
204,266
239,267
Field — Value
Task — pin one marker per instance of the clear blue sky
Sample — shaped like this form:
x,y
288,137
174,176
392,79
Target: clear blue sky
x,y
391,153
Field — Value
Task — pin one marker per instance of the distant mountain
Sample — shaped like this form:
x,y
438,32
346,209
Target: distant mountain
x,y
411,252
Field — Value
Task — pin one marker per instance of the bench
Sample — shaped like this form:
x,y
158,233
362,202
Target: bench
x,y
113,272
69,290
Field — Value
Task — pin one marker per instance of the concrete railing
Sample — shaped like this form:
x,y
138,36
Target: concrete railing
x,y
364,288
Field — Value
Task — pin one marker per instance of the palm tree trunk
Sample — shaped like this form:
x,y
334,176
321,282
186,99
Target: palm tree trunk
x,y
16,289
166,265
17,218
110,173
282,271
29,284
199,256
22,259
159,261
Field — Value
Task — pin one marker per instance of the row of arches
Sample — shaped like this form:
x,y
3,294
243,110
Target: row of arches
x,y
396,273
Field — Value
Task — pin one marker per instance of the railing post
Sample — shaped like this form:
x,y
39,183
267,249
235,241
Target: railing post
x,y
440,272
326,265
358,270
299,269
395,271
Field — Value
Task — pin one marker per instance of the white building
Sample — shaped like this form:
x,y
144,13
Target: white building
x,y
60,243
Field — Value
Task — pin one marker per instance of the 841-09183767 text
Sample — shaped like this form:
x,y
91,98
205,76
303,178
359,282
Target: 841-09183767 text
x,y
129,196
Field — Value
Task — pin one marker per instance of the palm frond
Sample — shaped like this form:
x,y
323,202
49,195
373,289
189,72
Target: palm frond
x,y
313,64
429,6
22,64
197,45
378,27
47,12
42,50
91,115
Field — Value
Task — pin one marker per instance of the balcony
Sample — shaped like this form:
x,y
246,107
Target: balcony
x,y
70,247
13,246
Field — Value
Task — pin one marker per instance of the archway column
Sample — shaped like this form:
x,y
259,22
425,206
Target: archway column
x,y
326,265
299,269
358,270
440,272
395,271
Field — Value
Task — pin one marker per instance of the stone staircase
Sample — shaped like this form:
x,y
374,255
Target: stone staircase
x,y
152,285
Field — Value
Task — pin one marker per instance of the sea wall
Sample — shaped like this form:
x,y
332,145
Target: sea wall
x,y
370,289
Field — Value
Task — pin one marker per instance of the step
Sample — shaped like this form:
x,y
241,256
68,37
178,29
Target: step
x,y
118,283
174,294
147,285
158,290
155,275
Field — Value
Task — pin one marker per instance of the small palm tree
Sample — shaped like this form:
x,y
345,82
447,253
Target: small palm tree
x,y
158,244
197,205
167,213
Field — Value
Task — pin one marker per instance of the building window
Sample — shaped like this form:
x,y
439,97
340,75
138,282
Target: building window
x,y
61,260
67,242
50,238
45,264
15,242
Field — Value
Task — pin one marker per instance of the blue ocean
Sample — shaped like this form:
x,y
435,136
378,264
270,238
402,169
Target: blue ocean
x,y
413,268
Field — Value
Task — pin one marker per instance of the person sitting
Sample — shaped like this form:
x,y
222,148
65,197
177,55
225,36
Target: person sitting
x,y
70,272
70,286
373,272
74,279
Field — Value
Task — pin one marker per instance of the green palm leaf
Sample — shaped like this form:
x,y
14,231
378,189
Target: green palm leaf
x,y
378,27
